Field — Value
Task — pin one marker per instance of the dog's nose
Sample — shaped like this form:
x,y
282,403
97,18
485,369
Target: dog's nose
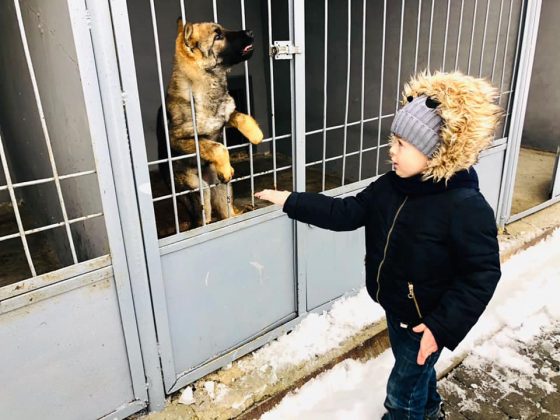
x,y
249,34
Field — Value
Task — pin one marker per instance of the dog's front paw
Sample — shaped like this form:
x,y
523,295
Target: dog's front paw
x,y
220,159
225,172
254,134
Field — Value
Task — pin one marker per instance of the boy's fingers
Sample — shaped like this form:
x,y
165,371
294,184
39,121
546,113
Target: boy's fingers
x,y
419,328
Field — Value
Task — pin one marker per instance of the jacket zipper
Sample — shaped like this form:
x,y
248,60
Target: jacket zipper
x,y
386,246
412,296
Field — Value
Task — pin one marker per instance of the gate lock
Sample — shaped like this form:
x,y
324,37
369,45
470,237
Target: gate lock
x,y
283,50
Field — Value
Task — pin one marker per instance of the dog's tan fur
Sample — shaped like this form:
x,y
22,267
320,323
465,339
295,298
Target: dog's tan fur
x,y
197,68
469,115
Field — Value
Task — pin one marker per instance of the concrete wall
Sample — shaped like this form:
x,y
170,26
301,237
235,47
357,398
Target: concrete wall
x,y
53,54
542,125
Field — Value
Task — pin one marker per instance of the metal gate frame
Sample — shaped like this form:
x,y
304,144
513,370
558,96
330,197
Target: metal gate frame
x,y
522,85
118,84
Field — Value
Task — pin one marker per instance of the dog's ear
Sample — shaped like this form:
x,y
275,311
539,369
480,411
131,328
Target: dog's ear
x,y
188,32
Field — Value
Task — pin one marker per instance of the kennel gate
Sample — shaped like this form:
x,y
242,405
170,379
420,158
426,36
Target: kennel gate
x,y
68,327
220,291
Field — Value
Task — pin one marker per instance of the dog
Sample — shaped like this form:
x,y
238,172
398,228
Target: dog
x,y
204,54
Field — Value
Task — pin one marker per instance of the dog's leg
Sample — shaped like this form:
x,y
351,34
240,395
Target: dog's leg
x,y
210,151
189,179
246,126
221,206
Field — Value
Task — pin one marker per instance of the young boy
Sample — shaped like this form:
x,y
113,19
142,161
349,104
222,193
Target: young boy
x,y
432,258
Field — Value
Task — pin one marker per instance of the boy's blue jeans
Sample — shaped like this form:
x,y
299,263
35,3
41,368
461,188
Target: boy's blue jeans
x,y
411,389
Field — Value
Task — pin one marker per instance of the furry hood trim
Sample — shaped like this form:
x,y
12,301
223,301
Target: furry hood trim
x,y
470,117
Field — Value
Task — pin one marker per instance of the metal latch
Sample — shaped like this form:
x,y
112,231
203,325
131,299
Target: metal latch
x,y
283,50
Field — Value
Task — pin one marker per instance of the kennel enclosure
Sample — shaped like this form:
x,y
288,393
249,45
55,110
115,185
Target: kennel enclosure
x,y
126,301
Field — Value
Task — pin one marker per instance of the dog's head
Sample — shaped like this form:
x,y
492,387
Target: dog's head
x,y
213,45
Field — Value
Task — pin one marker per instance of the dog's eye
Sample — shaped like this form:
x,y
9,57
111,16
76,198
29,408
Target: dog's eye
x,y
219,35
409,98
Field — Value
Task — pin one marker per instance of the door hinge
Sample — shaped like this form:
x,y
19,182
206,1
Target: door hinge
x,y
283,50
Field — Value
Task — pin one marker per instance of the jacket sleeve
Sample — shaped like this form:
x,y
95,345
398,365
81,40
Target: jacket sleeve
x,y
338,214
475,253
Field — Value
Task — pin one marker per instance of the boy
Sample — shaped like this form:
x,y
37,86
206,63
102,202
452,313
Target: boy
x,y
432,258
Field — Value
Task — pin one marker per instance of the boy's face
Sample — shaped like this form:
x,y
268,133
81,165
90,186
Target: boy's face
x,y
407,160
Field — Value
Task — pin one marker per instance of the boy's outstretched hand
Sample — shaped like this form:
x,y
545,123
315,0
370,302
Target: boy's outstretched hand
x,y
276,197
428,343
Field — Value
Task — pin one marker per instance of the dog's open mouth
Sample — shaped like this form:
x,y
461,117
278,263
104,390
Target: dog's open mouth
x,y
247,49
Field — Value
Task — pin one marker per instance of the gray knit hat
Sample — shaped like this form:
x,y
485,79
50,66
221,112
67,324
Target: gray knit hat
x,y
418,124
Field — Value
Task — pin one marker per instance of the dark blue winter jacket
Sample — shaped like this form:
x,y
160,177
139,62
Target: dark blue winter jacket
x,y
431,248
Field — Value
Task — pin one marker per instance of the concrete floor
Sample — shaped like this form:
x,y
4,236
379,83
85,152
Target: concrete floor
x,y
533,179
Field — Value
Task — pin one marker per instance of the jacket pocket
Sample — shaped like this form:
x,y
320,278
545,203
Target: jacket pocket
x,y
412,295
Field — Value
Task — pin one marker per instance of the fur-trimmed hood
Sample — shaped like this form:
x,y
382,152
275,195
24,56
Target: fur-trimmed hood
x,y
470,116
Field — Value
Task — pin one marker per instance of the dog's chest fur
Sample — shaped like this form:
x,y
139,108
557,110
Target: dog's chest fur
x,y
213,106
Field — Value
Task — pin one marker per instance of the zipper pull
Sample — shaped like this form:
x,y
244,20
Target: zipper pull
x,y
410,291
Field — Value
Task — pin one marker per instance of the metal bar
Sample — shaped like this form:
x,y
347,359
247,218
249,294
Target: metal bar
x,y
362,89
403,6
16,210
348,58
369,149
417,35
237,146
183,14
296,13
484,38
431,30
515,62
273,111
243,178
120,147
325,66
52,226
336,127
65,273
506,49
532,210
45,180
446,32
528,26
497,40
381,84
459,35
44,127
164,108
472,36
224,135
246,63
198,164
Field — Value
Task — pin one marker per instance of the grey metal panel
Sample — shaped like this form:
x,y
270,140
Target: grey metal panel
x,y
64,355
335,264
224,291
489,170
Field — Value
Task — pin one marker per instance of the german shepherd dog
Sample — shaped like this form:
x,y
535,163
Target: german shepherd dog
x,y
204,54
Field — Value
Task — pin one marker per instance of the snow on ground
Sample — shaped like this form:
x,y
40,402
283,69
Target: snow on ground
x,y
526,301
317,334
